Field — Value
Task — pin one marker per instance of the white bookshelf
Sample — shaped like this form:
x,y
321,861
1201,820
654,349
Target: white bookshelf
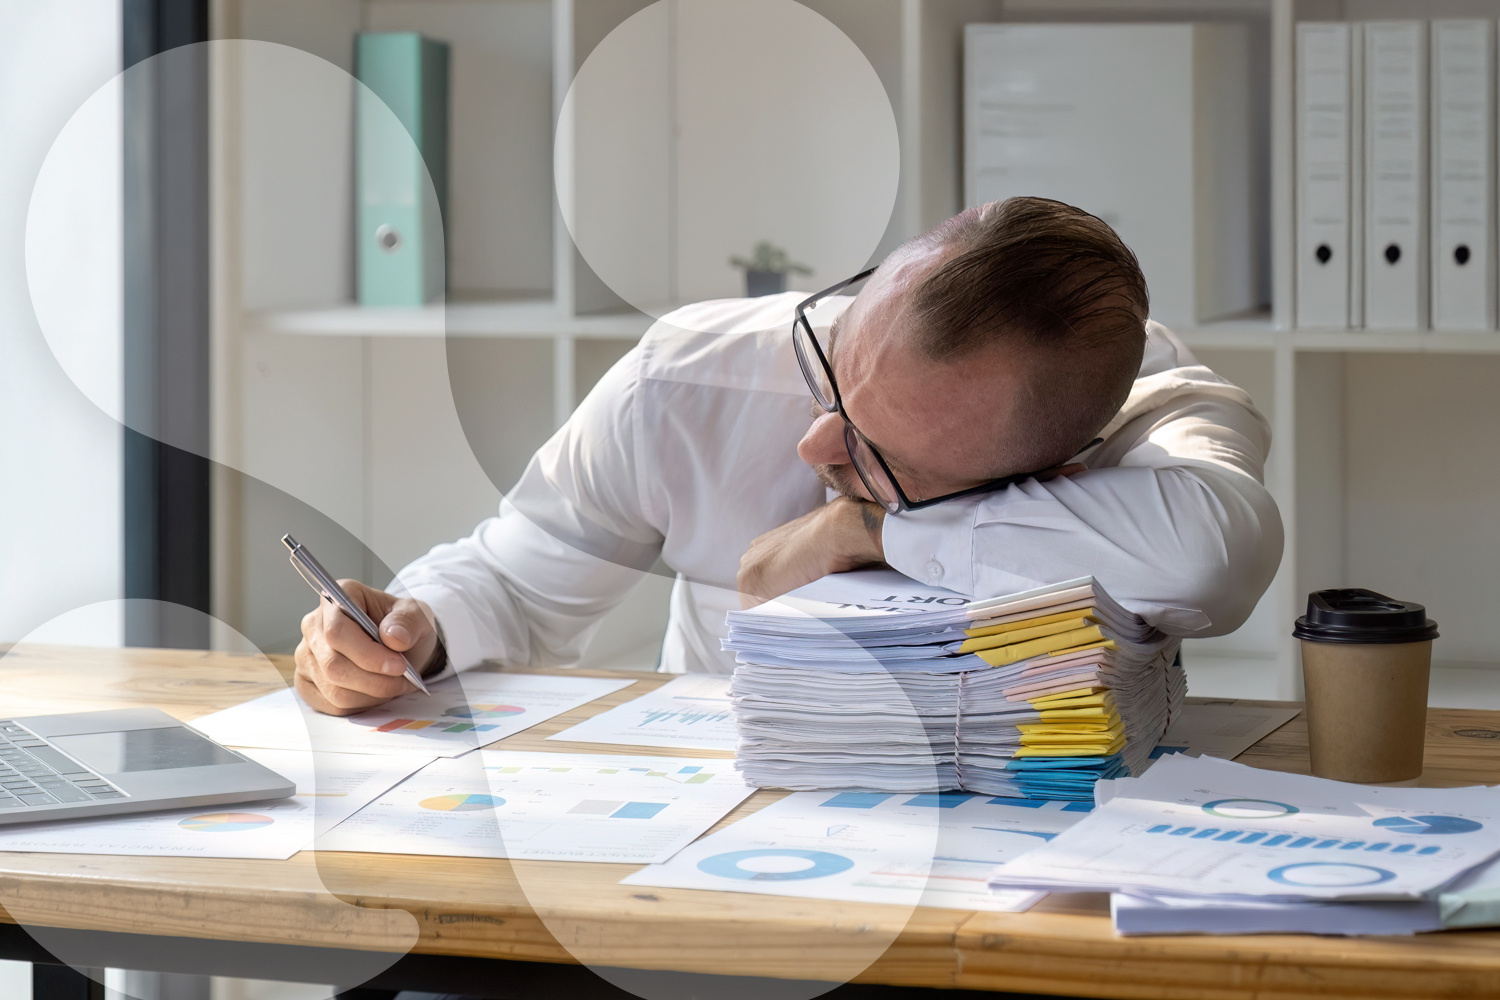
x,y
524,304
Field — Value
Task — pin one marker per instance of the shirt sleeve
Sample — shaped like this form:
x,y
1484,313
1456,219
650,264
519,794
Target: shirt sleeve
x,y
1172,517
529,586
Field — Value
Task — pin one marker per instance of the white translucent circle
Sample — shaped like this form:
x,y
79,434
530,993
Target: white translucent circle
x,y
699,128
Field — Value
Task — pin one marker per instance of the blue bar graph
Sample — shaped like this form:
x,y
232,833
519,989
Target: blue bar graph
x,y
1286,840
1000,800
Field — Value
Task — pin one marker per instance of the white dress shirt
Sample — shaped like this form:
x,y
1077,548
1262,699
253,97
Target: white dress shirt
x,y
686,450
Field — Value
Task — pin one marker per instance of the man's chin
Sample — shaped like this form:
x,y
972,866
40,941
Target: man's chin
x,y
842,480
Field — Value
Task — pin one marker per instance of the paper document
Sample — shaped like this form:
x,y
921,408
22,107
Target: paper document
x,y
1204,827
688,713
1221,730
462,713
871,680
931,849
330,787
1472,901
547,807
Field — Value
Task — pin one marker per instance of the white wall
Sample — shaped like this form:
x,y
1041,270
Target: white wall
x,y
60,510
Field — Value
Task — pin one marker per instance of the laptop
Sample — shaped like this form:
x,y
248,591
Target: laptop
x,y
55,767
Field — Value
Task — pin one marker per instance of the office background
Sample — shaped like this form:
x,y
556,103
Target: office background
x,y
377,433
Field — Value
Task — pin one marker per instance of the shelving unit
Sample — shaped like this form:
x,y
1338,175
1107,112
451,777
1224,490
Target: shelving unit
x,y
529,327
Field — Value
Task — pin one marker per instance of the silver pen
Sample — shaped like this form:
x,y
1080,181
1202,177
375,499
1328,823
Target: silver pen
x,y
328,588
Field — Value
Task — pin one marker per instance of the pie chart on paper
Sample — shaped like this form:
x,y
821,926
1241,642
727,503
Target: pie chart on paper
x,y
225,822
464,802
1428,824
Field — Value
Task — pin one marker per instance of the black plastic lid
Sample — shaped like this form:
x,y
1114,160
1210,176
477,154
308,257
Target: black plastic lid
x,y
1356,615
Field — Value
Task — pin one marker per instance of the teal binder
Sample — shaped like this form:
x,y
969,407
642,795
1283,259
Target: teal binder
x,y
400,255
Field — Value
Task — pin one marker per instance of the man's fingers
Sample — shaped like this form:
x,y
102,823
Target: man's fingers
x,y
339,671
404,625
1067,470
343,635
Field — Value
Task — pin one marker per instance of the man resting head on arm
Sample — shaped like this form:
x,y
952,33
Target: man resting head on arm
x,y
955,405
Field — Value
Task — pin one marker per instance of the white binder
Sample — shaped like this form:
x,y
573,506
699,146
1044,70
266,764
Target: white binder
x,y
1396,197
1329,159
1463,175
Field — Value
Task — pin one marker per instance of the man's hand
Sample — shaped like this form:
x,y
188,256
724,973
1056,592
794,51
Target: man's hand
x,y
341,671
841,535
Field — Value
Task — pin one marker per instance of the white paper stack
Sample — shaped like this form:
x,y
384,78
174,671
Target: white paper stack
x,y
870,680
1235,845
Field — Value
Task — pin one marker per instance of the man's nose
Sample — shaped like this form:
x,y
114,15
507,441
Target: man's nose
x,y
823,444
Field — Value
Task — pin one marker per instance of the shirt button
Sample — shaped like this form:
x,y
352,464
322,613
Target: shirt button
x,y
934,568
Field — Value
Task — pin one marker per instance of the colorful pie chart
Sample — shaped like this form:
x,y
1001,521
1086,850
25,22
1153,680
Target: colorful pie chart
x,y
484,711
225,822
467,802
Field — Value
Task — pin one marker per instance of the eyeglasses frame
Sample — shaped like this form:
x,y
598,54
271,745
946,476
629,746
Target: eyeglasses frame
x,y
903,502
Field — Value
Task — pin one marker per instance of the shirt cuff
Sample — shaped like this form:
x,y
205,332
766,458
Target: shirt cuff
x,y
456,634
934,545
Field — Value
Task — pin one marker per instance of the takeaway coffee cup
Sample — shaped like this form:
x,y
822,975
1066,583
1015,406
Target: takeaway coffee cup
x,y
1365,662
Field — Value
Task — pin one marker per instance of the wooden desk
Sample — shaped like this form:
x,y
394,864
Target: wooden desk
x,y
554,912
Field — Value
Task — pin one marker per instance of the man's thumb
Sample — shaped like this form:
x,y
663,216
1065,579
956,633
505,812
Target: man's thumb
x,y
400,628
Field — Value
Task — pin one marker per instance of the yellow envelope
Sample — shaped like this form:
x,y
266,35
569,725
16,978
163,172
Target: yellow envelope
x,y
1031,630
1036,647
1061,616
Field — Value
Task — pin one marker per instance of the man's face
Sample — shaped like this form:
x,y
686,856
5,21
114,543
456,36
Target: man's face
x,y
942,427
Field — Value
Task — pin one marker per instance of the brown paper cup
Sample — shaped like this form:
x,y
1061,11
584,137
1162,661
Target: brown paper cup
x,y
1366,708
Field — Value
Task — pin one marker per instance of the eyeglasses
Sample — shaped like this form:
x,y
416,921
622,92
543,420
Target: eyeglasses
x,y
871,466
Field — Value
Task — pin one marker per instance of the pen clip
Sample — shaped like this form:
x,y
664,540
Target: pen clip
x,y
308,577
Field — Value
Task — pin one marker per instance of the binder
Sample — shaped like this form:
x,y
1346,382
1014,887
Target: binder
x,y
1329,162
401,124
1396,197
1061,111
1463,175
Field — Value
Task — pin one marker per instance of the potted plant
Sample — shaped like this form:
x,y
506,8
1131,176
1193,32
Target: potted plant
x,y
766,269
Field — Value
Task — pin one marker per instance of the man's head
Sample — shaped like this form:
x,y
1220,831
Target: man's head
x,y
998,343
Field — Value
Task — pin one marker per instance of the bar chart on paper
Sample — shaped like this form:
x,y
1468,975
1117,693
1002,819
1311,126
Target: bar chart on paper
x,y
461,714
686,713
546,807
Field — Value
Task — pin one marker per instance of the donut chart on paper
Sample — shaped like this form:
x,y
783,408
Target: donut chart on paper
x,y
730,865
461,802
225,822
1248,809
1323,874
1429,824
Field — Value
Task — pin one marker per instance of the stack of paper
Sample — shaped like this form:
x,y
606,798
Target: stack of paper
x,y
869,680
1209,837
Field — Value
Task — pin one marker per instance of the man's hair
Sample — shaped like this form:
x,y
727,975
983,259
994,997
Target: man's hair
x,y
1054,281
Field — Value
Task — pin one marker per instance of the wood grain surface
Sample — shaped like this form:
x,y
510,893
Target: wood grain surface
x,y
571,912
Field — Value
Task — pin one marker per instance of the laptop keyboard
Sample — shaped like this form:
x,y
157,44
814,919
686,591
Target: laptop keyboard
x,y
33,773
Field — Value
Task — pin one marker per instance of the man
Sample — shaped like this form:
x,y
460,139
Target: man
x,y
996,388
